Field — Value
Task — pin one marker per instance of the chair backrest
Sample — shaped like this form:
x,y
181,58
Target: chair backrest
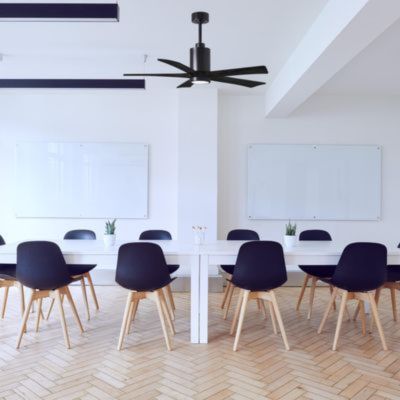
x,y
2,241
80,234
141,267
41,265
155,234
315,234
242,234
362,267
260,266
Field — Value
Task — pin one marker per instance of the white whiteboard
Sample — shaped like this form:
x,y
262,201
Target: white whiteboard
x,y
81,180
314,182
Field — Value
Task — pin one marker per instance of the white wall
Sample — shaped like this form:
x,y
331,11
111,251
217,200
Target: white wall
x,y
324,120
75,115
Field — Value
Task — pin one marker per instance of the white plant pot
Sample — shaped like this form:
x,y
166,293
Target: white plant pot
x,y
289,241
109,240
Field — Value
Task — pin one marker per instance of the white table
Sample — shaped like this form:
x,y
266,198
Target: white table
x,y
200,258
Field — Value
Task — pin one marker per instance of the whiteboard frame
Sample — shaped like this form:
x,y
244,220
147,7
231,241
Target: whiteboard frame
x,y
117,215
315,218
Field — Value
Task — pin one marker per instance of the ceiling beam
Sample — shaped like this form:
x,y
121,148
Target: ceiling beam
x,y
342,30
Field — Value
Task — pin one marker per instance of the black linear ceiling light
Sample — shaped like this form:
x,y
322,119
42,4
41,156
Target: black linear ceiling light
x,y
85,12
200,72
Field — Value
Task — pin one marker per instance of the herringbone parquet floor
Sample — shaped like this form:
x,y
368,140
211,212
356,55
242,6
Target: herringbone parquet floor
x,y
261,369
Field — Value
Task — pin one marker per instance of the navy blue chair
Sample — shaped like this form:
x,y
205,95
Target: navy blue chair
x,y
82,271
314,272
41,267
159,234
7,280
236,234
362,269
260,268
392,283
141,268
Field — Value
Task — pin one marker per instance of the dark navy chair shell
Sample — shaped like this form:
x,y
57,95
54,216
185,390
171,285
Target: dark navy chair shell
x,y
159,234
7,271
155,234
239,234
362,267
80,234
142,267
260,266
41,265
393,272
320,271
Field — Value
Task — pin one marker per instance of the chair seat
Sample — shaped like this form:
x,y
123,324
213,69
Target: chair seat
x,y
79,269
319,271
7,272
173,268
393,273
228,269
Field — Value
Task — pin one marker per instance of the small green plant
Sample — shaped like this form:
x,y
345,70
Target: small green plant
x,y
110,227
291,229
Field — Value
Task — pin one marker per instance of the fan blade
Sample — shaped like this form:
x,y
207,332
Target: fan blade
x,y
242,71
178,65
162,75
235,81
187,83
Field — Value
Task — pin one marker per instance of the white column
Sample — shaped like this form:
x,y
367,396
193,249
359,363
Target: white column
x,y
197,164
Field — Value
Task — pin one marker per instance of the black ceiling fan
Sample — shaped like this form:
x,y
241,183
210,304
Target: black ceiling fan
x,y
199,70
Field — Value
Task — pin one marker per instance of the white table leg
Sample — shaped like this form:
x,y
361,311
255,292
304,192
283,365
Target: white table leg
x,y
195,299
204,261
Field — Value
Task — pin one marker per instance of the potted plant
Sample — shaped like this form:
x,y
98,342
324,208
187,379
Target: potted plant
x,y
109,234
290,235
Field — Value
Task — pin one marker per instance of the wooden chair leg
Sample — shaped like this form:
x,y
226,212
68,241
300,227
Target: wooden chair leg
x,y
394,305
331,291
170,297
362,316
303,288
62,318
328,309
167,313
273,317
73,308
264,310
85,299
376,297
50,309
162,318
125,320
22,294
131,317
237,311
92,291
356,312
375,314
246,294
340,319
170,305
25,319
3,308
312,294
228,301
279,319
227,287
38,314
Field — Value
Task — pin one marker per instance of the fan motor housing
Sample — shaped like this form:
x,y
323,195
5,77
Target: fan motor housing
x,y
200,58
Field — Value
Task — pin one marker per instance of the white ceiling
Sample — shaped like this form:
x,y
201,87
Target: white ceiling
x,y
240,33
374,71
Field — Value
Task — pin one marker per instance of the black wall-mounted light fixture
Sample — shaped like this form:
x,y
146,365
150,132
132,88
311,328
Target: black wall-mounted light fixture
x,y
72,83
86,12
